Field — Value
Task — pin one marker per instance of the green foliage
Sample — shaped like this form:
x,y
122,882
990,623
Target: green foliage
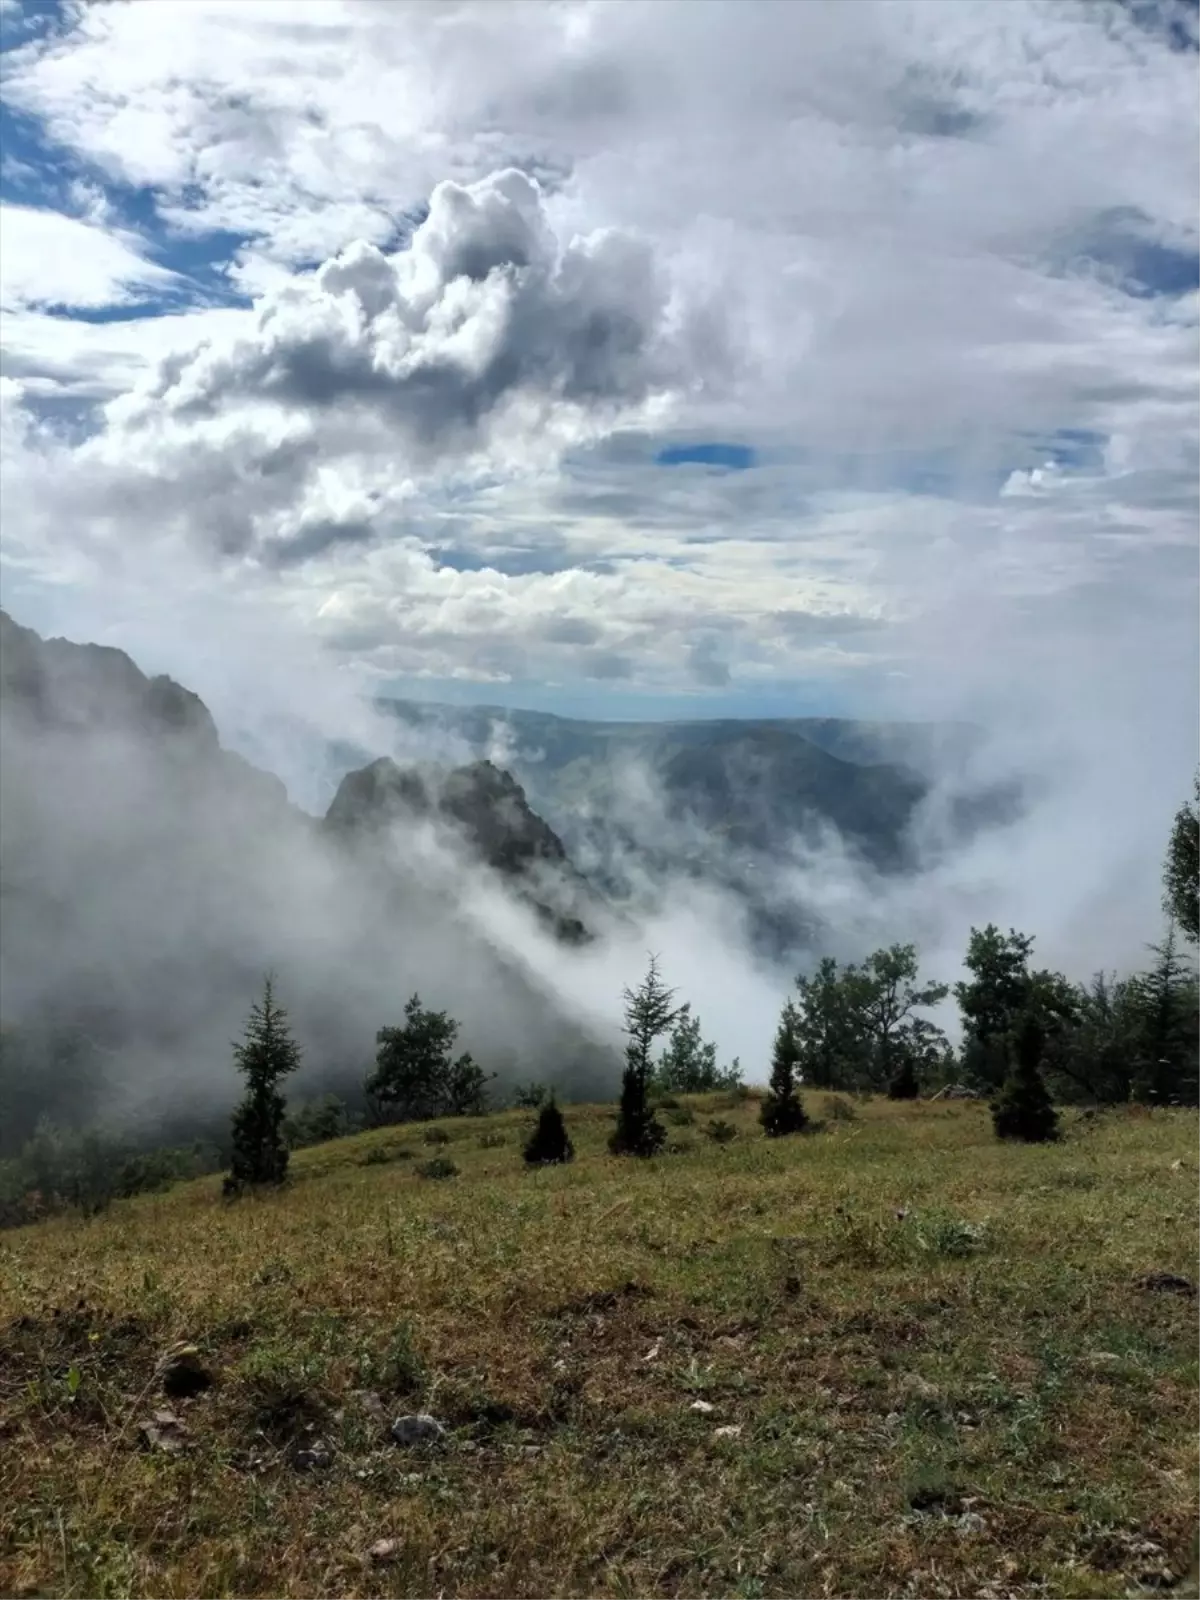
x,y
991,999
529,1096
415,1075
833,1049
1181,870
439,1168
720,1131
549,1143
649,1014
856,1027
317,1122
1163,1008
435,1136
1023,1109
941,1233
783,1111
59,1169
688,1065
266,1054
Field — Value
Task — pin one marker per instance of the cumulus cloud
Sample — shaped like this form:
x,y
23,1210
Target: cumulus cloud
x,y
482,312
930,263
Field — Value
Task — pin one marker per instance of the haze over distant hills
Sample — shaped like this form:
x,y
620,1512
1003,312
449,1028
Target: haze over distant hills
x,y
149,876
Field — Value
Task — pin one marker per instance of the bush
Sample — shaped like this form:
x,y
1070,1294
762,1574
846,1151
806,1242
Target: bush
x,y
529,1096
435,1136
721,1132
57,1170
381,1154
942,1234
681,1117
839,1109
317,1122
549,1143
492,1141
440,1167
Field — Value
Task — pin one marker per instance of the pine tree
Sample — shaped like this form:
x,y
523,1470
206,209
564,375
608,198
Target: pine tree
x,y
549,1142
648,1015
1181,870
1023,1108
782,1110
1163,1003
266,1054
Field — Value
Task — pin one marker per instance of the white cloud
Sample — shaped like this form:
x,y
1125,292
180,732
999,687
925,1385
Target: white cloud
x,y
48,259
882,244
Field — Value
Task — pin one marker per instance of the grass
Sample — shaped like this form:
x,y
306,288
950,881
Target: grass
x,y
941,1373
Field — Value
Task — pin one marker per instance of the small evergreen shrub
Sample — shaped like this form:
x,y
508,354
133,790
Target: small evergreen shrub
x,y
782,1112
265,1056
435,1136
549,1143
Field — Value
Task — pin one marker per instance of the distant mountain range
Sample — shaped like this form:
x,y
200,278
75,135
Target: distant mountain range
x,y
148,876
724,801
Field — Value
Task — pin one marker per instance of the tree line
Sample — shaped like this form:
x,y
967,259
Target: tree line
x,y
1030,1038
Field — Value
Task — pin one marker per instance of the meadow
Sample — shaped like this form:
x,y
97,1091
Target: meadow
x,y
889,1357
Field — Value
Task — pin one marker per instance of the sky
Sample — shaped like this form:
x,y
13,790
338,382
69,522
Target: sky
x,y
642,358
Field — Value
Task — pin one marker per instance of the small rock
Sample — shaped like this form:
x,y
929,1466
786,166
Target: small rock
x,y
182,1373
731,1430
313,1458
970,1524
164,1432
702,1405
1098,1360
1177,1166
418,1429
385,1550
1166,1283
653,1352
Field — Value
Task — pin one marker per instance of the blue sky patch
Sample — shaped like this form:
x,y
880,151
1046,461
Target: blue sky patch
x,y
730,457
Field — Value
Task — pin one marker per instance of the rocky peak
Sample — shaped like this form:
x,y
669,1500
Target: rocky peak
x,y
87,686
488,808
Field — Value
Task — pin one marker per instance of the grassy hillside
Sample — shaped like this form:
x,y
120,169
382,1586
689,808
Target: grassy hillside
x,y
975,1397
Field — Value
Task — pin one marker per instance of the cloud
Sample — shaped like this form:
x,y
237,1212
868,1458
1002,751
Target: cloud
x,y
50,259
482,315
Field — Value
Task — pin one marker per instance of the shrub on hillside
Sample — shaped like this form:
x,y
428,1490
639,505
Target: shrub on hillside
x,y
549,1143
440,1167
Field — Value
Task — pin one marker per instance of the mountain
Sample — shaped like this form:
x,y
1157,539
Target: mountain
x,y
149,877
726,803
488,809
751,783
